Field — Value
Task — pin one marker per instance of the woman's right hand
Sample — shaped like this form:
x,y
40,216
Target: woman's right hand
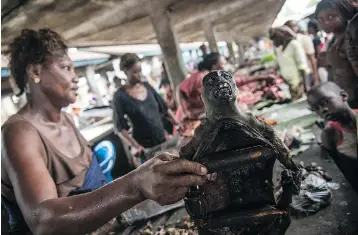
x,y
166,178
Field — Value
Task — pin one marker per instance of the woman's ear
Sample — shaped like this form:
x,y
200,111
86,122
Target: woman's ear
x,y
33,71
344,95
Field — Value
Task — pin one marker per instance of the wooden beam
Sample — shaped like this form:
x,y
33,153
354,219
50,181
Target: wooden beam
x,y
209,33
169,44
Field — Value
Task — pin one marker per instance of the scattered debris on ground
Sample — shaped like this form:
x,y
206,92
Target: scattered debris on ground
x,y
315,191
182,227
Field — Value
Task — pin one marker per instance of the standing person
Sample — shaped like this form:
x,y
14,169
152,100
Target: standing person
x,y
204,50
313,29
145,108
349,11
309,50
291,59
51,182
344,67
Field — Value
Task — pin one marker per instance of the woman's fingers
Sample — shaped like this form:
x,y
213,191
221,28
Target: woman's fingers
x,y
212,177
187,180
180,166
167,156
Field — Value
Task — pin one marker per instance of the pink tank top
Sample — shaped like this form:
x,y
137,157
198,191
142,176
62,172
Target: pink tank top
x,y
347,140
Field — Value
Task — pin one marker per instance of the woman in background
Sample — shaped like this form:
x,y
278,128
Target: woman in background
x,y
191,105
333,19
144,107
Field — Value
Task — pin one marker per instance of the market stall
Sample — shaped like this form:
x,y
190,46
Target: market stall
x,y
338,216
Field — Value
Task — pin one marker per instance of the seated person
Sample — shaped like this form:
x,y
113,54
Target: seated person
x,y
339,137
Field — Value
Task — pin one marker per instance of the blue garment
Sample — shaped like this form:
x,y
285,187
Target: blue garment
x,y
106,156
94,179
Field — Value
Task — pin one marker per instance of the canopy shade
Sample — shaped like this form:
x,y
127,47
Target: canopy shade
x,y
117,22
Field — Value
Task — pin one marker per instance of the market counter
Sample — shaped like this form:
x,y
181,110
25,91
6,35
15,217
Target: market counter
x,y
96,133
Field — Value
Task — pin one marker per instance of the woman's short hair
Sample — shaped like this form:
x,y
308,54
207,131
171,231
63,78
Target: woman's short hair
x,y
313,25
33,47
128,60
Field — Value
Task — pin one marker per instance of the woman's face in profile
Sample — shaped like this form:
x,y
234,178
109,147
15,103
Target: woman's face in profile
x,y
59,81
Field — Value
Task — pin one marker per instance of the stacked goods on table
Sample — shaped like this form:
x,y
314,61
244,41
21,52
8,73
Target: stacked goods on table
x,y
275,91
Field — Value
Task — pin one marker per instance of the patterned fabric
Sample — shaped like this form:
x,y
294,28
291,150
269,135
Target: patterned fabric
x,y
94,179
106,156
347,140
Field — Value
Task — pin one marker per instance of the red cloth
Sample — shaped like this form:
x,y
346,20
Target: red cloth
x,y
191,88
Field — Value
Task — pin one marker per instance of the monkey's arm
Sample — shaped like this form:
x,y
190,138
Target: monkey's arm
x,y
291,177
283,153
188,151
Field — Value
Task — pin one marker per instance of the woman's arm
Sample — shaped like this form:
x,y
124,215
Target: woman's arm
x,y
120,123
183,103
129,139
301,59
160,179
172,117
353,57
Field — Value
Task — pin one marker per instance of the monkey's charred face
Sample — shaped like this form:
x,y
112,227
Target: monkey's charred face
x,y
218,88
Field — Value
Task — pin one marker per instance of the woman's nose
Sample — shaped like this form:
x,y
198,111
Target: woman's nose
x,y
75,78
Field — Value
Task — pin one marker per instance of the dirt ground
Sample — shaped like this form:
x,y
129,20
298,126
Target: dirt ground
x,y
339,218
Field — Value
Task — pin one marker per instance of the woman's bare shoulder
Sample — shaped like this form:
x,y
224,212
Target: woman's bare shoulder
x,y
19,133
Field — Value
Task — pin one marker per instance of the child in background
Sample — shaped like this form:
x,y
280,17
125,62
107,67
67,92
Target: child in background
x,y
339,137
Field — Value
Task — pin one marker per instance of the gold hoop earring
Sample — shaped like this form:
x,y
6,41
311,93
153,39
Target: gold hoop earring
x,y
37,80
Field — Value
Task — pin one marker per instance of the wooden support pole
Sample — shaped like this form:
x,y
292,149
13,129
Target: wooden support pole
x,y
210,36
90,73
232,55
241,53
167,39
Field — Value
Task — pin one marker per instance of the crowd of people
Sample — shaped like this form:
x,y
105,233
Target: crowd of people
x,y
52,182
334,76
